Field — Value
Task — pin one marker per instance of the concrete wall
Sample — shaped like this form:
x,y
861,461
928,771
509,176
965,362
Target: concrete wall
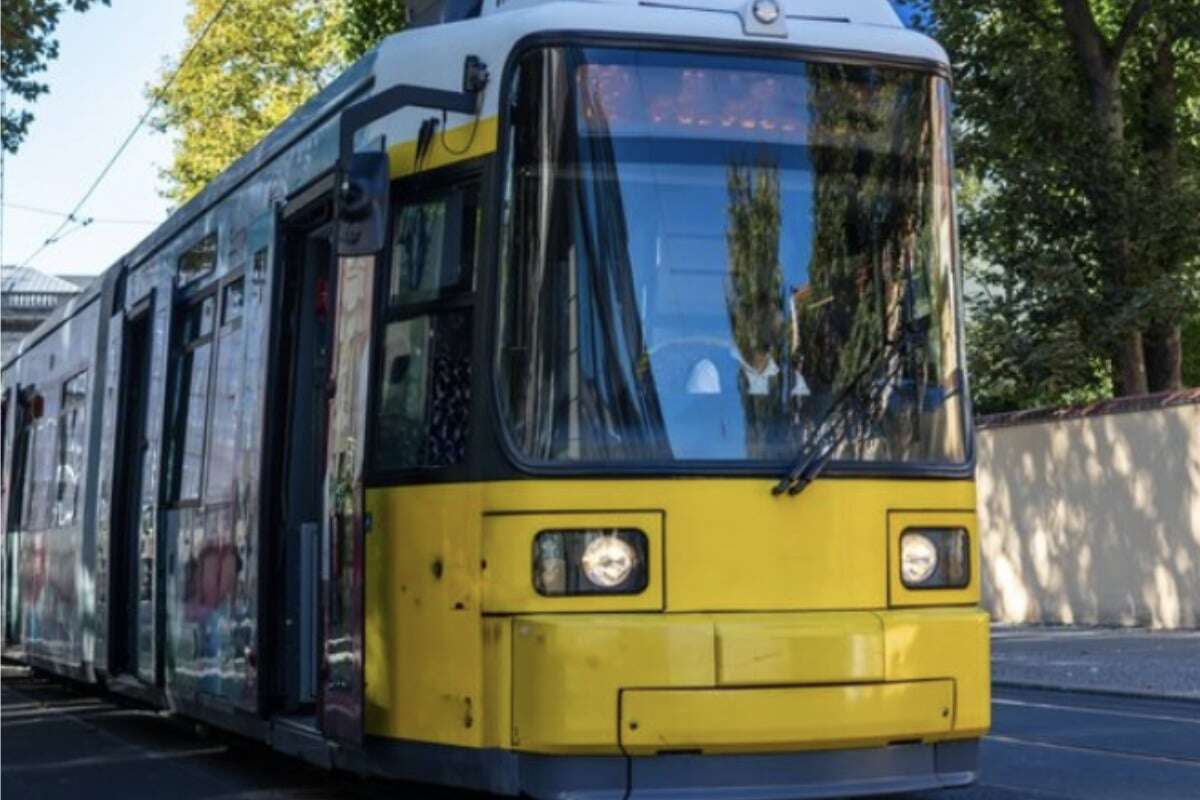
x,y
1092,516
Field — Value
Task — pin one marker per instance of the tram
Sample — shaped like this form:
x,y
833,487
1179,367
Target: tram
x,y
568,401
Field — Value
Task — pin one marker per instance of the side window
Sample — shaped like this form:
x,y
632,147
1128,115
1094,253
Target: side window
x,y
223,428
187,403
40,498
425,377
199,260
29,515
72,443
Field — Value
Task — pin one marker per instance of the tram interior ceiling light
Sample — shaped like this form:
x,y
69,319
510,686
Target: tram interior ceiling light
x,y
935,558
590,561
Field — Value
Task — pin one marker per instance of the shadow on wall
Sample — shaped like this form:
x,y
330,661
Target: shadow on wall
x,y
1091,516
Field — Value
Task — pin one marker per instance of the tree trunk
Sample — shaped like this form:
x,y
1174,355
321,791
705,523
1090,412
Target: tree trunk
x,y
1164,357
1163,341
1100,60
1129,373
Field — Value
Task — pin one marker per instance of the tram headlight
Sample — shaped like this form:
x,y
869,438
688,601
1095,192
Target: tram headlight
x,y
597,561
935,558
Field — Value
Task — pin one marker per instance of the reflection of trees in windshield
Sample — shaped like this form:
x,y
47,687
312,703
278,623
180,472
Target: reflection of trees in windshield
x,y
630,332
754,299
576,335
869,146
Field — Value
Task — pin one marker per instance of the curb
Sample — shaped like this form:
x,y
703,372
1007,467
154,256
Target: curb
x,y
1101,691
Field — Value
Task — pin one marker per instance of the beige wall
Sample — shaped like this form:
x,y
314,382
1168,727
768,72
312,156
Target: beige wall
x,y
1093,520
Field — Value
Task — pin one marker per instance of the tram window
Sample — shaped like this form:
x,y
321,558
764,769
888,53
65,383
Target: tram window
x,y
199,260
426,394
71,445
29,510
433,244
231,308
222,430
40,478
425,376
188,403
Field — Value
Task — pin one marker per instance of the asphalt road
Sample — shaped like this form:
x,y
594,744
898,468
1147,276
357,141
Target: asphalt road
x,y
57,743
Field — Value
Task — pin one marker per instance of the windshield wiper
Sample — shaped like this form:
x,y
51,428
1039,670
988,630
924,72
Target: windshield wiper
x,y
813,458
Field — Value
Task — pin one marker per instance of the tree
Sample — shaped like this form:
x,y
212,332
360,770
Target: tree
x,y
755,292
367,22
254,67
28,37
1078,143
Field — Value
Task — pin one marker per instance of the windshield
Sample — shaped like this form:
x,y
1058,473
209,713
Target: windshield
x,y
703,251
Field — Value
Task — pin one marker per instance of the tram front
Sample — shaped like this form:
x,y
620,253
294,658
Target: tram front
x,y
702,522
729,371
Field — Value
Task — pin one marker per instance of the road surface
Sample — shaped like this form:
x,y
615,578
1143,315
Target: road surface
x,y
59,743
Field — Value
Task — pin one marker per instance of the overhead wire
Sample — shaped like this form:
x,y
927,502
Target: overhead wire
x,y
97,220
72,215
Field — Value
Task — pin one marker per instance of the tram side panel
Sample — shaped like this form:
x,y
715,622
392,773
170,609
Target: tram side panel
x,y
211,522
116,366
12,414
54,579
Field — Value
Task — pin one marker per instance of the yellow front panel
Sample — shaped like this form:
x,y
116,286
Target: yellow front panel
x,y
947,642
424,641
779,592
496,713
775,649
508,554
733,546
771,720
568,670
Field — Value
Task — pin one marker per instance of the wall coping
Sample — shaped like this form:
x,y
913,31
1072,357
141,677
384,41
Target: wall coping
x,y
1118,405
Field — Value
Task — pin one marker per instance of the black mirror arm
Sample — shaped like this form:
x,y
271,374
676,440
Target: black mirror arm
x,y
360,198
355,117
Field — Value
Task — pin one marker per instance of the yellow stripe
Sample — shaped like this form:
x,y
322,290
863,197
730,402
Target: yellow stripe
x,y
462,143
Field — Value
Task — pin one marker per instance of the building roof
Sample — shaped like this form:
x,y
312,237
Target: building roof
x,y
30,281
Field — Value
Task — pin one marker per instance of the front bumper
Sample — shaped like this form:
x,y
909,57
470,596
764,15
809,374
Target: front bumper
x,y
641,685
788,776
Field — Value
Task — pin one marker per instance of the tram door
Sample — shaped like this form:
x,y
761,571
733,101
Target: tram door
x,y
16,460
326,305
345,522
301,431
132,448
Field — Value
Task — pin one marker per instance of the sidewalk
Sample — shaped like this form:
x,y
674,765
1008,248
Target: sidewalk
x,y
1122,660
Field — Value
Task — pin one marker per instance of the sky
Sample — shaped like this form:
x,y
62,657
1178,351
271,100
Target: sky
x,y
106,57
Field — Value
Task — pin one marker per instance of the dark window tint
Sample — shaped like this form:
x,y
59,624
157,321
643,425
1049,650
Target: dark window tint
x,y
187,403
425,396
227,397
72,444
424,379
433,244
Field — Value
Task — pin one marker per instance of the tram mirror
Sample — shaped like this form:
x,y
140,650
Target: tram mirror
x,y
363,205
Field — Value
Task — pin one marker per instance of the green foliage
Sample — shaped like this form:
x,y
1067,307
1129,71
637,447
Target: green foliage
x,y
756,285
367,22
1074,242
256,65
755,274
1191,351
27,28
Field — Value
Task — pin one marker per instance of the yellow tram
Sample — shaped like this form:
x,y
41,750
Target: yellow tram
x,y
568,401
